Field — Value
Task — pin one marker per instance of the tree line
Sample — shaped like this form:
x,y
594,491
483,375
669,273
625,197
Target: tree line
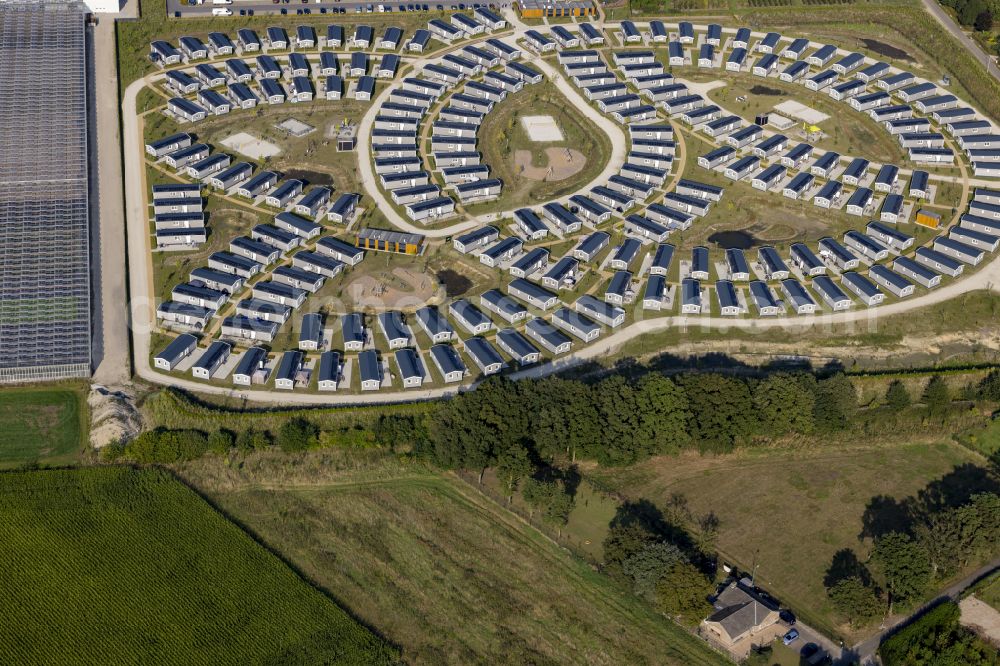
x,y
620,421
906,561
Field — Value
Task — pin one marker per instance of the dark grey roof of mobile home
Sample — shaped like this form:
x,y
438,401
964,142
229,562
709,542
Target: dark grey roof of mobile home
x,y
726,293
329,366
484,353
409,363
178,346
690,291
762,294
288,365
861,283
393,325
805,254
837,249
249,361
771,259
447,359
502,302
593,242
830,290
860,197
352,327
663,256
369,366
830,189
531,257
887,275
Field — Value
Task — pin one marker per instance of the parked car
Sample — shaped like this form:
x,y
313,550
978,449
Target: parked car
x,y
788,617
790,637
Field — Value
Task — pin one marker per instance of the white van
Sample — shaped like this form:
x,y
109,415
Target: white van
x,y
221,11
222,2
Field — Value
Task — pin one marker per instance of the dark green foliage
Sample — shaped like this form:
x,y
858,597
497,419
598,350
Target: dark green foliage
x,y
897,397
401,432
989,388
936,395
658,560
984,21
167,446
513,465
903,566
784,404
649,564
298,435
683,591
855,601
221,441
969,10
721,411
663,414
550,498
835,405
251,440
937,639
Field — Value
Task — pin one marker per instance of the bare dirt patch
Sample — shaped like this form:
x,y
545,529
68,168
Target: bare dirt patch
x,y
981,618
251,146
399,288
560,164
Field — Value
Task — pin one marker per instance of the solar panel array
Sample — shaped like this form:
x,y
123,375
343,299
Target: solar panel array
x,y
44,202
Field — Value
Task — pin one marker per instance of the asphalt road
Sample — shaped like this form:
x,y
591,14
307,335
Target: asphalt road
x,y
142,306
613,130
970,44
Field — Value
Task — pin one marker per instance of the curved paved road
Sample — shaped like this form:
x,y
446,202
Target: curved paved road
x,y
142,305
369,180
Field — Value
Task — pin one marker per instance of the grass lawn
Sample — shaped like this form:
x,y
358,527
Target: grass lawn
x,y
117,565
849,132
447,574
955,331
989,591
502,135
47,425
985,440
789,510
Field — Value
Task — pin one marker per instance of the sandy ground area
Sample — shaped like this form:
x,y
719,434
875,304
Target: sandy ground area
x,y
400,288
542,128
981,618
251,146
800,111
561,164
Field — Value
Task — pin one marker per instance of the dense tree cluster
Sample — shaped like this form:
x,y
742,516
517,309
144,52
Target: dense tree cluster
x,y
659,560
977,14
165,446
937,639
919,550
618,421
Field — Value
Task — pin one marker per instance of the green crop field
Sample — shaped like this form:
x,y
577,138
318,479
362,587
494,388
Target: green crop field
x,y
445,573
41,425
116,565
